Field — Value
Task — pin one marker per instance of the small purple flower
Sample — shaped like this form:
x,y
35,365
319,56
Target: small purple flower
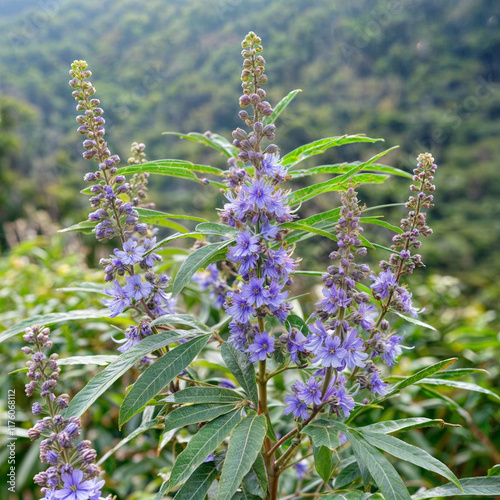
x,y
383,284
310,392
344,400
392,349
316,337
97,486
407,304
331,354
270,164
295,344
377,385
259,193
296,406
74,487
246,245
255,293
301,469
120,299
334,298
37,408
131,253
368,314
262,346
136,289
354,347
241,309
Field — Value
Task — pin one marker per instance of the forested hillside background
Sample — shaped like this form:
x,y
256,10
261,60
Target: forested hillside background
x,y
424,75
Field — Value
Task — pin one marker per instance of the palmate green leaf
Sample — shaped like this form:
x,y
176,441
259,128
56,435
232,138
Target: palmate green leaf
x,y
204,442
194,414
404,451
199,483
214,141
471,486
383,473
217,229
404,424
146,426
320,146
103,380
341,168
280,107
245,444
205,395
242,369
52,319
180,319
421,374
197,260
256,479
323,433
467,386
158,375
323,462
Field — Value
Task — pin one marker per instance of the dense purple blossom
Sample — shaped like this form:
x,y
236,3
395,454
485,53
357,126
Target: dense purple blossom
x,y
296,406
136,288
120,299
330,353
241,309
131,253
263,345
310,392
255,293
383,283
74,487
392,349
377,385
354,347
259,193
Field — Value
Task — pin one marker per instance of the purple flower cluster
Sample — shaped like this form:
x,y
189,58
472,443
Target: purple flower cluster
x,y
72,473
257,206
211,279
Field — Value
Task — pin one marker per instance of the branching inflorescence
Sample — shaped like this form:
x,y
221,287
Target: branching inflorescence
x,y
72,473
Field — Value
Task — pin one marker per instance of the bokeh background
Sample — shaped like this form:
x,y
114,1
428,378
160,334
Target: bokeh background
x,y
424,75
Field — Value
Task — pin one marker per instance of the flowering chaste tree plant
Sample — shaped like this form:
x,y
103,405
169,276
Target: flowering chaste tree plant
x,y
274,415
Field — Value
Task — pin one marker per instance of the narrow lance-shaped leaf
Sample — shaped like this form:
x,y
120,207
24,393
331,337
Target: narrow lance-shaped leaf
x,y
320,146
256,479
242,369
217,229
244,446
193,414
204,395
53,318
404,424
384,474
158,375
421,374
180,319
219,143
103,380
197,260
456,384
166,167
199,483
471,486
280,107
404,451
204,442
